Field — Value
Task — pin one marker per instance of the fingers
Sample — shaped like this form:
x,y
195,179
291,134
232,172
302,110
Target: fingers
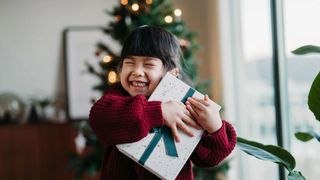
x,y
205,101
183,127
198,103
179,118
206,97
188,120
192,111
175,134
192,116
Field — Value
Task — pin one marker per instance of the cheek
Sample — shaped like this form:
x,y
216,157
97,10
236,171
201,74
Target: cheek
x,y
122,76
156,78
123,72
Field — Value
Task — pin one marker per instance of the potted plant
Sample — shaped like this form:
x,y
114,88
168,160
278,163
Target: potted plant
x,y
313,97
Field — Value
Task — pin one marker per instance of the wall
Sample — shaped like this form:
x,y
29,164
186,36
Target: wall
x,y
31,41
202,17
31,61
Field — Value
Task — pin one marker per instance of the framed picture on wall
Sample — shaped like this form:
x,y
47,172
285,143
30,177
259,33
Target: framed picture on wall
x,y
80,47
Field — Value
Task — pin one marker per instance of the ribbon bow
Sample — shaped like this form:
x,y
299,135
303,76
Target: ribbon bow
x,y
169,144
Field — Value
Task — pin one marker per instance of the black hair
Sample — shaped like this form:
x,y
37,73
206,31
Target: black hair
x,y
153,42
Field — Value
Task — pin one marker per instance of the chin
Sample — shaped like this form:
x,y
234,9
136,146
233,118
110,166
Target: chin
x,y
135,94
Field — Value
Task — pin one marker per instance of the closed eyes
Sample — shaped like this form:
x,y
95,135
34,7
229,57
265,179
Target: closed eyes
x,y
127,62
148,64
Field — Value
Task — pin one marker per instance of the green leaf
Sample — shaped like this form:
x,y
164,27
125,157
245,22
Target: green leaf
x,y
314,97
303,136
306,50
296,175
271,153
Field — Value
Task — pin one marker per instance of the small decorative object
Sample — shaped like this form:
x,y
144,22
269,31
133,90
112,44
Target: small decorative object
x,y
40,108
158,152
33,116
12,108
80,142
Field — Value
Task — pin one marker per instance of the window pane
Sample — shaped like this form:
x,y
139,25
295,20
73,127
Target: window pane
x,y
255,86
302,27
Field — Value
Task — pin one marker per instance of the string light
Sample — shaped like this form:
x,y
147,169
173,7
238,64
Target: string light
x,y
135,7
177,12
107,58
124,2
112,76
149,1
168,19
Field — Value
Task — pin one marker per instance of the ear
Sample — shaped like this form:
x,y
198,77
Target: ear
x,y
175,72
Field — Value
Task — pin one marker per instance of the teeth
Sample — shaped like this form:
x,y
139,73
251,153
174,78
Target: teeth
x,y
140,84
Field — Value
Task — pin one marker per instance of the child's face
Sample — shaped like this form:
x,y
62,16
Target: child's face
x,y
141,75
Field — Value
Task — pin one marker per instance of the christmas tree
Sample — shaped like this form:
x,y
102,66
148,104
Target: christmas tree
x,y
128,15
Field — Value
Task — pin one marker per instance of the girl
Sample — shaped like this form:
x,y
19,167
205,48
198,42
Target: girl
x,y
124,115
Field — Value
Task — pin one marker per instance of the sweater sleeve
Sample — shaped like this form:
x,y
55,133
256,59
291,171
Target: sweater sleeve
x,y
117,119
215,147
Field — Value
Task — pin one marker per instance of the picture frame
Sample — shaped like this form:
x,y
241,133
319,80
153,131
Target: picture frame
x,y
80,46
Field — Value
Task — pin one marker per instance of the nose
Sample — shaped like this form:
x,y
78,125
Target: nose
x,y
138,70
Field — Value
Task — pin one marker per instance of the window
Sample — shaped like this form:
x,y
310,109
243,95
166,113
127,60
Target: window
x,y
246,48
301,28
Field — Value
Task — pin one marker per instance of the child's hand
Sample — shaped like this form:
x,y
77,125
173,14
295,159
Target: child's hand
x,y
205,113
177,116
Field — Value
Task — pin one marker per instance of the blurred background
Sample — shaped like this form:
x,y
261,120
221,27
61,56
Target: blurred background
x,y
242,48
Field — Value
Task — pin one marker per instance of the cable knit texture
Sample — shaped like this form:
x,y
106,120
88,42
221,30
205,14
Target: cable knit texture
x,y
116,118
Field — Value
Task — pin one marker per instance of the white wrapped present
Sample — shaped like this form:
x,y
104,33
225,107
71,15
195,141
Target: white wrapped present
x,y
158,152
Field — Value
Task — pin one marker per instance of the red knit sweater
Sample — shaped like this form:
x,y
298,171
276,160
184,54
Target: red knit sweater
x,y
117,119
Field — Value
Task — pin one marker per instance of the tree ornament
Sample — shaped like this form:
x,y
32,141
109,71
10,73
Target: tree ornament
x,y
179,28
80,142
117,18
128,20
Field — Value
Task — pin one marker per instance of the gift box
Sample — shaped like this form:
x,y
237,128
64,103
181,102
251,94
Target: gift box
x,y
158,152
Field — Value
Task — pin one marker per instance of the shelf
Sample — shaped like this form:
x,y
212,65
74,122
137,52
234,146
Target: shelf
x,y
36,151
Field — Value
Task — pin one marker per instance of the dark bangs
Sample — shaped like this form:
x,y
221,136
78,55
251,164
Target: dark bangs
x,y
153,42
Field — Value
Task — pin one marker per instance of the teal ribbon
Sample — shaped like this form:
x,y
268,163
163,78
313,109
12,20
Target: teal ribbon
x,y
188,94
168,140
165,133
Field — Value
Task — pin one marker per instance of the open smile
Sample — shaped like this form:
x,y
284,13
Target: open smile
x,y
139,85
